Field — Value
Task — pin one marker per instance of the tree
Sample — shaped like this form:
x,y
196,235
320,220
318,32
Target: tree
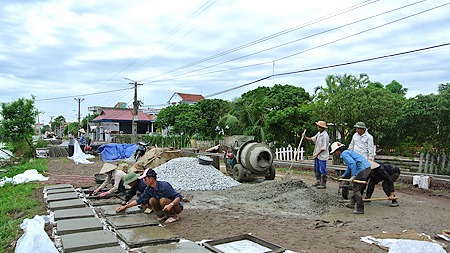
x,y
211,110
58,121
88,118
180,119
375,85
17,124
396,88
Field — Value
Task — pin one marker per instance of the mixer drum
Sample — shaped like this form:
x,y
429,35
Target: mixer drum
x,y
257,157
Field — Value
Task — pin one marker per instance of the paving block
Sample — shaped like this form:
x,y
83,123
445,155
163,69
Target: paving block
x,y
109,210
116,249
66,204
57,186
71,226
181,247
131,221
102,202
73,213
143,236
88,240
62,196
60,190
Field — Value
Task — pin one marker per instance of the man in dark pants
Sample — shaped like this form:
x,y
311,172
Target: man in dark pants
x,y
359,169
388,173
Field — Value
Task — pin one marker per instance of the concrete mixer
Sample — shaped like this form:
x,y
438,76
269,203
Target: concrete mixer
x,y
249,158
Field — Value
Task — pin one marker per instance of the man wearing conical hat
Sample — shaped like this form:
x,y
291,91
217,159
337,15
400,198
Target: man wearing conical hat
x,y
113,176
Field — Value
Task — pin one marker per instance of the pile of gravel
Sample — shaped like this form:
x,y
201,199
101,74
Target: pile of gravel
x,y
187,174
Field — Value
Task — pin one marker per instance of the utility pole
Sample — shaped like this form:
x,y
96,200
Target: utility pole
x,y
135,112
79,100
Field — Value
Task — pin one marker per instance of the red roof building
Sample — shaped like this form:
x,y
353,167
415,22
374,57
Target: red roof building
x,y
184,98
118,121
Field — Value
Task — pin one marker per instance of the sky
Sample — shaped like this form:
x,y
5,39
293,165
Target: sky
x,y
60,50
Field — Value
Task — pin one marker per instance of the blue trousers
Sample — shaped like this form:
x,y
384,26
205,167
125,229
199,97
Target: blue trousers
x,y
320,166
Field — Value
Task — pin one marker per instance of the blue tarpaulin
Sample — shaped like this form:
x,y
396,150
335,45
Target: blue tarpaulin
x,y
114,151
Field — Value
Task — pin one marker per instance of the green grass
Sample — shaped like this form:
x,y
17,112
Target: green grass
x,y
15,199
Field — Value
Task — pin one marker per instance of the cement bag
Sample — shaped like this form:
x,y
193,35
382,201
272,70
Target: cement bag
x,y
35,239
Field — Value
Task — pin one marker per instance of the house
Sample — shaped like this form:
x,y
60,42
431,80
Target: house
x,y
184,98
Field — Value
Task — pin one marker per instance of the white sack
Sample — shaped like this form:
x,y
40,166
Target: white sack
x,y
35,239
79,156
27,176
405,246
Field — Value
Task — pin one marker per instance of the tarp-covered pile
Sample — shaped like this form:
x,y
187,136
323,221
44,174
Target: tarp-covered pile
x,y
113,152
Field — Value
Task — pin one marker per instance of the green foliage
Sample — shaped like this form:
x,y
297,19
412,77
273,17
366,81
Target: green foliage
x,y
396,88
87,118
210,112
58,121
41,144
18,198
71,127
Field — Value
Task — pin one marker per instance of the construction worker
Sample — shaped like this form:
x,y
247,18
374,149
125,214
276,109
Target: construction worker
x,y
388,173
114,176
82,139
358,168
71,144
137,186
362,142
320,154
160,196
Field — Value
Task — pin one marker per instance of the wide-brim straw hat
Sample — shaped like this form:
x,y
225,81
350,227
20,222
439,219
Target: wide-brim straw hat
x,y
107,167
321,124
130,177
335,146
360,125
82,131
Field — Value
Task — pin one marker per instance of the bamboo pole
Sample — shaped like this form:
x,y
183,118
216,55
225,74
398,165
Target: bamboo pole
x,y
289,172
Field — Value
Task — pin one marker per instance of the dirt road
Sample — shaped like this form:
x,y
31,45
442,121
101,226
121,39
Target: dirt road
x,y
292,219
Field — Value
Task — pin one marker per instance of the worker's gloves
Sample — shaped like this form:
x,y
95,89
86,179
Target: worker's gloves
x,y
352,178
96,191
103,194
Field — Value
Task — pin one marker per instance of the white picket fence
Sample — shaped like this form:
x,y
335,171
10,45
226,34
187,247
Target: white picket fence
x,y
288,153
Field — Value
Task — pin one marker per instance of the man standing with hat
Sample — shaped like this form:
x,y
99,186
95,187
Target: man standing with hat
x,y
362,142
160,196
322,141
358,168
137,186
82,139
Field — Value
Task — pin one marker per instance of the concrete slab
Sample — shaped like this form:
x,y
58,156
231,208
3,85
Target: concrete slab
x,y
109,210
116,249
66,204
88,240
62,196
103,202
73,213
91,189
71,226
143,236
58,186
62,190
181,247
132,221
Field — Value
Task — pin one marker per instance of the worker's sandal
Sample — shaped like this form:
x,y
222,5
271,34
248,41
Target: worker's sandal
x,y
394,203
358,212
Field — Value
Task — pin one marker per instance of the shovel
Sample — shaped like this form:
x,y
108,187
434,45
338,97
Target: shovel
x,y
289,171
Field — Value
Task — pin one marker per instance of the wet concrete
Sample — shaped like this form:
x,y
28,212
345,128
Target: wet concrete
x,y
73,213
61,190
181,247
78,225
88,240
116,249
109,210
132,220
66,204
57,186
102,202
145,236
62,196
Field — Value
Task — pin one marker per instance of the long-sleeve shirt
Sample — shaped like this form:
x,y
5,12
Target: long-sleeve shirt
x,y
139,187
363,144
71,140
162,190
82,139
322,141
355,162
118,176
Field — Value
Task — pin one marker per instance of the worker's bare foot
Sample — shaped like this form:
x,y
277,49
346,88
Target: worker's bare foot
x,y
172,219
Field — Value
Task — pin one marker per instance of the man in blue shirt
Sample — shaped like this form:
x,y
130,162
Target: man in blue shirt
x,y
160,196
359,169
82,139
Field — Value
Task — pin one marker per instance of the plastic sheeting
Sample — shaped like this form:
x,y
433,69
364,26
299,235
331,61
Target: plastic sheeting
x,y
35,239
79,156
27,176
405,245
112,152
421,181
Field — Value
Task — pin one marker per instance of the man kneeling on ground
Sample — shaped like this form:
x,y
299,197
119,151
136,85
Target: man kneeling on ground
x,y
388,173
160,196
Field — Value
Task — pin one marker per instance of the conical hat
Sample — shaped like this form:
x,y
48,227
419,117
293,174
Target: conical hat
x,y
107,167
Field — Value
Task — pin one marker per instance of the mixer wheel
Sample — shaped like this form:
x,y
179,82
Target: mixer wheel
x,y
271,175
238,173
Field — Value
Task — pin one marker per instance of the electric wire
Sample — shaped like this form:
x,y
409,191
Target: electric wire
x,y
82,95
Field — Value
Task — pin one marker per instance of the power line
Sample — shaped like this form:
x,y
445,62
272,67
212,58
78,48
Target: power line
x,y
309,49
327,67
82,95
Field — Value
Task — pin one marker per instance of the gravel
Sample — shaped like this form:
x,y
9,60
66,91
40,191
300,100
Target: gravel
x,y
186,174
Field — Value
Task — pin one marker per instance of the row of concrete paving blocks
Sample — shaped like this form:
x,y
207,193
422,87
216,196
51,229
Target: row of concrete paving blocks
x,y
88,225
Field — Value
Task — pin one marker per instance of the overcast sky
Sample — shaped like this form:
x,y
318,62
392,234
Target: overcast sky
x,y
72,48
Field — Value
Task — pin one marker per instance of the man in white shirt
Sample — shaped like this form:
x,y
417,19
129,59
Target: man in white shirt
x,y
321,154
362,142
